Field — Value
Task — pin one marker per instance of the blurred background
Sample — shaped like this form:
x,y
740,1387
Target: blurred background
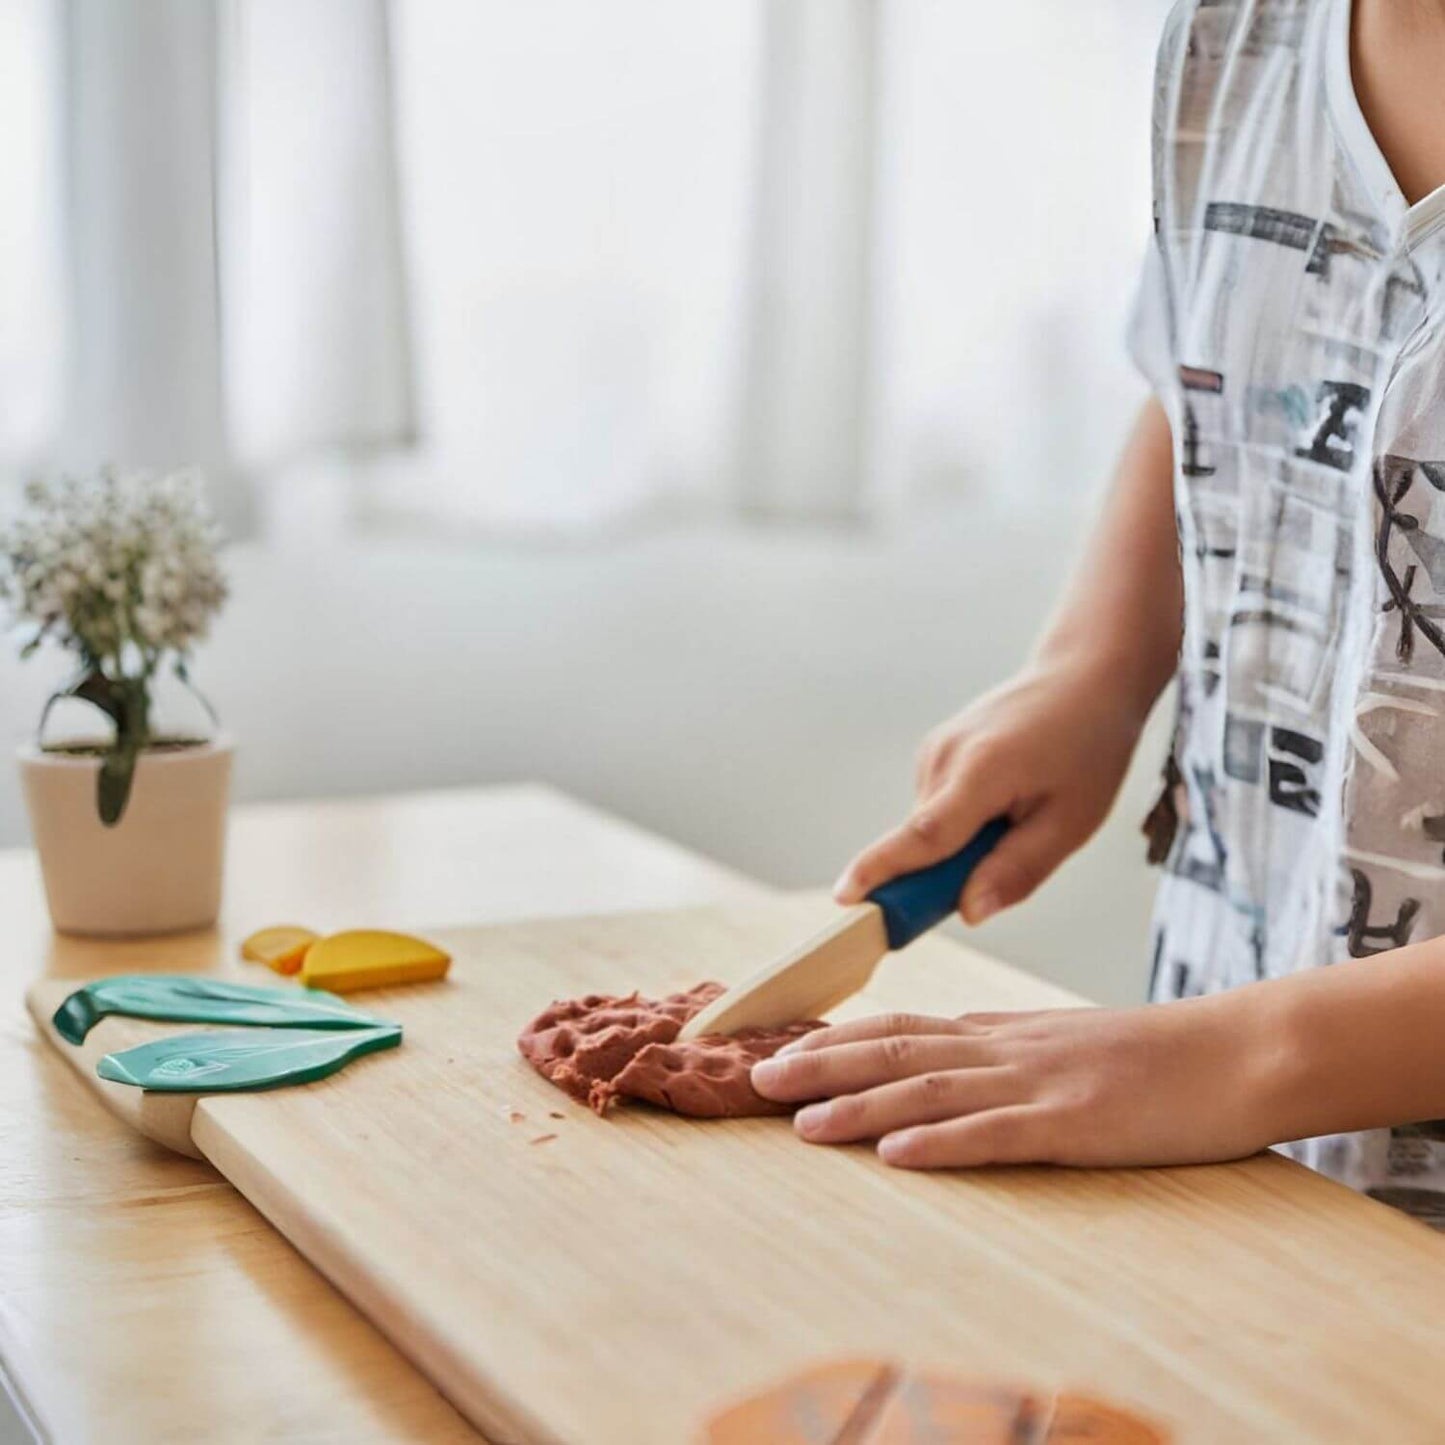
x,y
684,404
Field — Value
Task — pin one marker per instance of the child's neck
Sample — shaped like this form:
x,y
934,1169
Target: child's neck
x,y
1398,60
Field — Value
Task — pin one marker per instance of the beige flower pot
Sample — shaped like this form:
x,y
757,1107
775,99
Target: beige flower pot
x,y
159,869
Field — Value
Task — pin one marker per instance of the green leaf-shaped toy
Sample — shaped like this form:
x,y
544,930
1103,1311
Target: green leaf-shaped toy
x,y
238,1059
192,999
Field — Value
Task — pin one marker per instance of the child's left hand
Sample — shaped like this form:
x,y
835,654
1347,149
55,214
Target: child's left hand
x,y
1178,1083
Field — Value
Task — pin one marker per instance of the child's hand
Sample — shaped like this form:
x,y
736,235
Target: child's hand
x,y
1049,749
1181,1083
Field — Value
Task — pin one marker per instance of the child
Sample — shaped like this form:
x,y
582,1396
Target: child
x,y
1291,322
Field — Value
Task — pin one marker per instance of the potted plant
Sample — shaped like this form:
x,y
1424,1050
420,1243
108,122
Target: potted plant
x,y
122,572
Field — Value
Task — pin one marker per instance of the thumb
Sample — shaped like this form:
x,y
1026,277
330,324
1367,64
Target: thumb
x,y
936,829
1025,856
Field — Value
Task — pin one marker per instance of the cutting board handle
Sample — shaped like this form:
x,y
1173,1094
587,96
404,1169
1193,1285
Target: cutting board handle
x,y
915,902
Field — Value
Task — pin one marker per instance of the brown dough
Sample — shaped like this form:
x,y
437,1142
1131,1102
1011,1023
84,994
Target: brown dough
x,y
601,1048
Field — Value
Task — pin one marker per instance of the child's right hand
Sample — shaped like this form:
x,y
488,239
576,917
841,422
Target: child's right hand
x,y
1048,749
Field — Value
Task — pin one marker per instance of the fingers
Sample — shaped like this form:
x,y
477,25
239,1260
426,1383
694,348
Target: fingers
x,y
937,828
1017,1134
876,1026
1025,856
926,1098
850,1068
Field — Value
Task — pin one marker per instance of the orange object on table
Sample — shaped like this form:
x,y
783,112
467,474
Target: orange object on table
x,y
281,948
877,1402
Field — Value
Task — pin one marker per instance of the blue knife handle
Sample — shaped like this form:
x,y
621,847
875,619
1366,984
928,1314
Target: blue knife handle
x,y
915,902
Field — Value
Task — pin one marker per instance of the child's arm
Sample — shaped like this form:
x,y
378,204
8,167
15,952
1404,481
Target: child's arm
x,y
1051,746
1355,1046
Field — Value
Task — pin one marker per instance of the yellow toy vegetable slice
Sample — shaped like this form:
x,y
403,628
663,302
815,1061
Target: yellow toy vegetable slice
x,y
371,958
281,948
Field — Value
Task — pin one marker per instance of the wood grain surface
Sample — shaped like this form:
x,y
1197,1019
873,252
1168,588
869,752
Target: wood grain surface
x,y
623,1278
141,1297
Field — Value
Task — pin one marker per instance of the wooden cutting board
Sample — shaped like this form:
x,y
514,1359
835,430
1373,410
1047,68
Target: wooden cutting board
x,y
572,1279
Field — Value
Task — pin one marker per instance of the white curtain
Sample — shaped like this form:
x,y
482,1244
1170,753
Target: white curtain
x,y
226,236
545,267
317,347
798,259
806,367
577,182
32,319
1012,214
139,93
640,238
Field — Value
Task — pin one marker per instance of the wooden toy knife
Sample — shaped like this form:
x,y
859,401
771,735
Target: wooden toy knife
x,y
834,964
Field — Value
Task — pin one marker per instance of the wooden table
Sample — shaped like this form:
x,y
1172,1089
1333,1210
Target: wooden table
x,y
141,1297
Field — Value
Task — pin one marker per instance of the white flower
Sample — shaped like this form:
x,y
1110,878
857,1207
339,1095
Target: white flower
x,y
118,568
